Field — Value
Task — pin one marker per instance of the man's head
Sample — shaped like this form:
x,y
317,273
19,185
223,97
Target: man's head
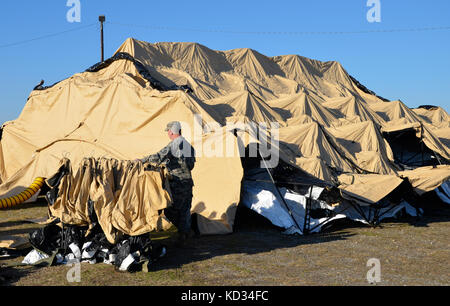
x,y
173,129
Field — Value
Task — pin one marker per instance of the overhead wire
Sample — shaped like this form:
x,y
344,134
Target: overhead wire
x,y
205,30
47,36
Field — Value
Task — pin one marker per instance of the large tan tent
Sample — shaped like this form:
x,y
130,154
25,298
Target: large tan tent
x,y
110,114
331,127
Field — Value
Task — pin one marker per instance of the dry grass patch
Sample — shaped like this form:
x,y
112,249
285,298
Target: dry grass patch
x,y
410,252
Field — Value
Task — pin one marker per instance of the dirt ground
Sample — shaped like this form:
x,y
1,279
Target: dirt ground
x,y
410,251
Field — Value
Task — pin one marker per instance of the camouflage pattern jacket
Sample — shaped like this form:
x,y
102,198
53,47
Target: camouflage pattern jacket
x,y
178,157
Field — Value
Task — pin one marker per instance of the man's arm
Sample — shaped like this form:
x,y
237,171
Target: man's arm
x,y
159,157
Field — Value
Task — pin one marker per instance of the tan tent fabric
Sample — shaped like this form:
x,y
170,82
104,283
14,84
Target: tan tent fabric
x,y
436,120
328,79
399,117
301,90
111,113
218,165
310,148
213,74
353,109
235,106
2,165
126,198
433,142
444,136
364,141
216,73
437,117
425,179
367,189
330,125
302,104
394,112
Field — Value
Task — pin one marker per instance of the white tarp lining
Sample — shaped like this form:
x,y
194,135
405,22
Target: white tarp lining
x,y
261,198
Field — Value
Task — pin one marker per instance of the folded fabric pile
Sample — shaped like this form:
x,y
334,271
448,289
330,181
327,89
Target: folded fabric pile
x,y
103,211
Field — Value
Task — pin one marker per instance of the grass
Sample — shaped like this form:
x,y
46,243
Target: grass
x,y
410,252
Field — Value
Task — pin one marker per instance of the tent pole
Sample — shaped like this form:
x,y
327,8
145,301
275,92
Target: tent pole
x,y
278,191
434,153
280,196
307,222
102,19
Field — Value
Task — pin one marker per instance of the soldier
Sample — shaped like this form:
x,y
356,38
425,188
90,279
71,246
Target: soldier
x,y
179,159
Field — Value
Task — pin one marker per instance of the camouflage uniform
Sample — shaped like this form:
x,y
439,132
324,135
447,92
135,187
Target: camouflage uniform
x,y
179,158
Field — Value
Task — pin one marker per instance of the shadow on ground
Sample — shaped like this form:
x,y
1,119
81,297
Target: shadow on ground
x,y
247,242
10,275
252,234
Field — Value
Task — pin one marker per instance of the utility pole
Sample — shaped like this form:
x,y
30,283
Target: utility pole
x,y
102,20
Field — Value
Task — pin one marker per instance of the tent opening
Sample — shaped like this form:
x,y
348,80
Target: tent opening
x,y
266,193
410,151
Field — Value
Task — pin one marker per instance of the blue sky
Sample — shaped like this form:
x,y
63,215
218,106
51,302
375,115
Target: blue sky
x,y
411,66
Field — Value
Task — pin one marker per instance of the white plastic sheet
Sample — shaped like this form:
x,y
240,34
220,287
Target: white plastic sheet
x,y
262,198
33,257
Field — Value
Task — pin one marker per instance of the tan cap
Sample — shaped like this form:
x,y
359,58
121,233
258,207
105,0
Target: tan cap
x,y
174,126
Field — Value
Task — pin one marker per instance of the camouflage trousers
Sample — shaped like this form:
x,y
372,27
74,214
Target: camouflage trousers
x,y
179,214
